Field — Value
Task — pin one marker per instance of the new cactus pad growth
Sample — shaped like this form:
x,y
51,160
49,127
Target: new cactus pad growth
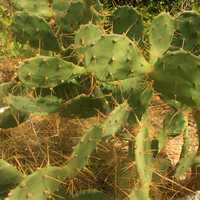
x,y
87,35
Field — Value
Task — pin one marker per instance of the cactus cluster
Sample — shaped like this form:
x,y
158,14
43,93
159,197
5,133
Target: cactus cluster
x,y
86,67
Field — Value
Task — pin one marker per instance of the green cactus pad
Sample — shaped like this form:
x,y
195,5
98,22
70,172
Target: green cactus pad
x,y
160,35
70,21
184,165
10,177
40,185
10,118
39,7
83,106
187,155
174,123
38,106
122,59
87,35
176,76
126,19
117,119
82,151
188,32
60,6
47,72
36,32
79,12
90,195
143,157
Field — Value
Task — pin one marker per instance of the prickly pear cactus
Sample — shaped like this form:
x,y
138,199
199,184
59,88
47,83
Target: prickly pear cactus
x,y
39,106
160,35
187,157
10,177
126,19
116,120
176,76
108,68
122,59
47,72
37,32
87,35
39,7
188,32
143,159
59,7
79,12
40,185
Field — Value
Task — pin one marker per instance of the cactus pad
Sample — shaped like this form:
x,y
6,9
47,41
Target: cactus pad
x,y
160,35
87,35
176,76
116,120
188,32
40,185
37,106
47,72
143,158
39,7
36,32
10,177
127,20
121,60
79,12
